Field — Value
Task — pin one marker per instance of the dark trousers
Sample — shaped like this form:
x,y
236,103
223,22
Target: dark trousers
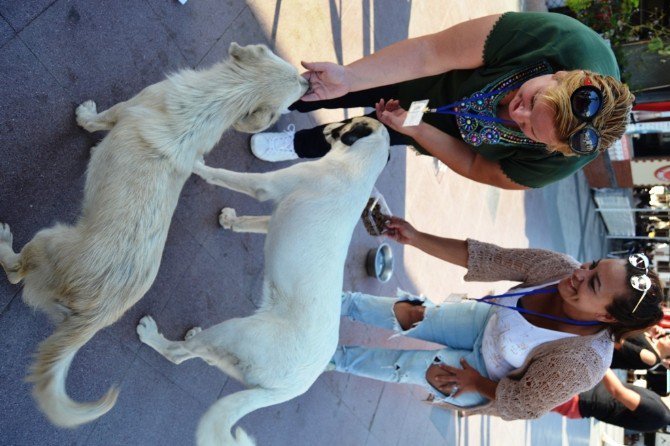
x,y
311,143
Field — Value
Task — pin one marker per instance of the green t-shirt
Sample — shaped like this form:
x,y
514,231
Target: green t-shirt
x,y
519,47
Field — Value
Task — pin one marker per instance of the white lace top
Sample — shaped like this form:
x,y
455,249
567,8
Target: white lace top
x,y
509,337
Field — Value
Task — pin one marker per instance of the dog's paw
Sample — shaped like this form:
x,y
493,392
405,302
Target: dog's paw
x,y
192,332
86,112
6,234
227,217
147,328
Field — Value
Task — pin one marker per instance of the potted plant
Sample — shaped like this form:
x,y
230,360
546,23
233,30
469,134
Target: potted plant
x,y
642,46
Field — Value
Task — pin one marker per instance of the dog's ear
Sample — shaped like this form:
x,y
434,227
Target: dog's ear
x,y
257,120
262,49
241,53
235,51
355,132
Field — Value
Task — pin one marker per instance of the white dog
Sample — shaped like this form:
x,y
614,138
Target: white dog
x,y
279,351
87,275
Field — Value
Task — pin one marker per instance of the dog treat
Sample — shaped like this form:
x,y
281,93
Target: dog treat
x,y
374,218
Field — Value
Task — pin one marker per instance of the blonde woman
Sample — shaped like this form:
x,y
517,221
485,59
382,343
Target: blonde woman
x,y
519,100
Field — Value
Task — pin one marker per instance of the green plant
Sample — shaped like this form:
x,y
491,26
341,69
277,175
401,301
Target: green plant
x,y
656,44
578,5
612,19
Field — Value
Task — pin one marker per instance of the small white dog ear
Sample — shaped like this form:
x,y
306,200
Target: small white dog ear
x,y
235,51
263,49
240,53
256,121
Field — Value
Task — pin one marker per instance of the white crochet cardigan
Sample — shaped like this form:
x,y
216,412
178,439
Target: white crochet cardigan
x,y
556,370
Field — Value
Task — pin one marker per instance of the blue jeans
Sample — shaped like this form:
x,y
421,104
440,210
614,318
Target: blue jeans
x,y
459,327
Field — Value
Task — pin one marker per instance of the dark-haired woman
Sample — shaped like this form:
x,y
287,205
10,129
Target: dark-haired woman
x,y
516,356
642,351
619,404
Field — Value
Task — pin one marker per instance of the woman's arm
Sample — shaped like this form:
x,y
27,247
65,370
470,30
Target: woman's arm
x,y
648,357
458,47
460,158
453,152
619,392
448,249
641,349
485,262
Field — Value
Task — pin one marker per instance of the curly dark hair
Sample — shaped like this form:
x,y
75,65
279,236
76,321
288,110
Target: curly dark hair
x,y
648,313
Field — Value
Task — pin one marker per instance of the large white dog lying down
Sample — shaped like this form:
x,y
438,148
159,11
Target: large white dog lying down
x,y
87,275
279,351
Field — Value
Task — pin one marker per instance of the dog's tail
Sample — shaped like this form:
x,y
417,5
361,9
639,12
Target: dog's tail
x,y
216,425
49,371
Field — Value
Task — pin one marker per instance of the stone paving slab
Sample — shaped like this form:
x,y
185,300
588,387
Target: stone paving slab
x,y
6,32
20,14
196,29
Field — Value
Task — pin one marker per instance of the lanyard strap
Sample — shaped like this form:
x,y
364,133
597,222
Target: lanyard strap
x,y
449,108
487,300
474,116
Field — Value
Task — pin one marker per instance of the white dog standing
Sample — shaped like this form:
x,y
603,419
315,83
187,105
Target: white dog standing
x,y
87,275
280,350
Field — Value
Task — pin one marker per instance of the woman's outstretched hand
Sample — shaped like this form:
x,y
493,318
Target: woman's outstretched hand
x,y
392,115
399,230
327,80
655,331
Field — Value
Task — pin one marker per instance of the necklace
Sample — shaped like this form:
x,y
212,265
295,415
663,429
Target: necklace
x,y
477,101
476,131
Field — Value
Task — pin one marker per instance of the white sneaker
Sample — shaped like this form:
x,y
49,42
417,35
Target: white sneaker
x,y
274,146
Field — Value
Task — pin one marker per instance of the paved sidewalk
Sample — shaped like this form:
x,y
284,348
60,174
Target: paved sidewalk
x,y
54,54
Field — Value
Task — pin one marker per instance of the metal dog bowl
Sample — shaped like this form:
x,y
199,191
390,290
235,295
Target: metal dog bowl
x,y
379,262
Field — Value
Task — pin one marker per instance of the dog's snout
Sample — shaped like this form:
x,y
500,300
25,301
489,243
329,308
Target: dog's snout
x,y
356,130
372,123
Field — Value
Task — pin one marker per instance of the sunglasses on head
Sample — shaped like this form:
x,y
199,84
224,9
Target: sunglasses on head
x,y
586,102
640,282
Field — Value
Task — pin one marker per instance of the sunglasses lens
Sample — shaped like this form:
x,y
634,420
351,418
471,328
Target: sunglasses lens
x,y
640,283
639,261
586,102
584,141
